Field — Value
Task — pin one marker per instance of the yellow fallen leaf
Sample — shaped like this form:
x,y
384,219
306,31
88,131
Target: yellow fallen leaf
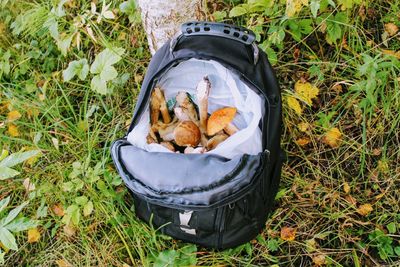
x,y
391,29
383,166
33,235
311,245
303,141
13,115
364,209
303,126
32,112
391,53
381,195
288,233
294,104
13,130
333,137
346,187
319,260
4,106
294,6
63,263
122,36
306,91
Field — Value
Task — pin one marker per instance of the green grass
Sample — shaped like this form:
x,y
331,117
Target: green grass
x,y
69,123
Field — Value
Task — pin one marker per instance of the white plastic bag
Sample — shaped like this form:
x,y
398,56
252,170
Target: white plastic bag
x,y
226,90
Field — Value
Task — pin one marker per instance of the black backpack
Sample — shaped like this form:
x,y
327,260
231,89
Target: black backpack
x,y
224,202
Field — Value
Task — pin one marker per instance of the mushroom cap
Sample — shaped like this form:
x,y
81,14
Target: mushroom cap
x,y
219,119
187,134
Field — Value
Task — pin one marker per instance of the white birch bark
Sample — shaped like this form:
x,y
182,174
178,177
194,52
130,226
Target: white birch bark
x,y
162,18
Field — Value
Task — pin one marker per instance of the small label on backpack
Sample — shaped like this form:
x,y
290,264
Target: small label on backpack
x,y
184,219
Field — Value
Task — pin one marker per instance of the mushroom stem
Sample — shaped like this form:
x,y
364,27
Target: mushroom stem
x,y
185,107
166,130
215,141
203,91
163,105
231,129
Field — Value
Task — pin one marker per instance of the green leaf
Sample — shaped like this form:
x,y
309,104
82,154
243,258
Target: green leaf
x,y
4,154
4,202
76,67
271,54
129,8
273,245
106,58
42,210
314,7
6,173
59,9
52,25
219,15
397,250
276,35
82,200
72,214
88,208
17,158
166,258
84,71
108,73
14,213
68,186
391,228
8,239
346,4
98,85
63,44
237,11
78,184
21,224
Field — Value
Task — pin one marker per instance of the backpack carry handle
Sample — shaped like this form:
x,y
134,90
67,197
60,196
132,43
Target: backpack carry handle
x,y
237,33
223,30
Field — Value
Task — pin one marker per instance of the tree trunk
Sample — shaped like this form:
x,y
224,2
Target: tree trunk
x,y
162,18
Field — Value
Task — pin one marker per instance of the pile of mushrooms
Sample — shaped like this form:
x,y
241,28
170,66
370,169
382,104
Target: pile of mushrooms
x,y
185,127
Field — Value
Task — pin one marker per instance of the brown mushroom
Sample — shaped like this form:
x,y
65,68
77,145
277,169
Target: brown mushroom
x,y
186,106
151,137
187,134
157,105
154,108
219,119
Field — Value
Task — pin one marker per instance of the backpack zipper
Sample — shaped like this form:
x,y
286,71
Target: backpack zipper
x,y
229,199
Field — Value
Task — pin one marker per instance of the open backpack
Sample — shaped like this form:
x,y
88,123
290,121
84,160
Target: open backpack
x,y
220,198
